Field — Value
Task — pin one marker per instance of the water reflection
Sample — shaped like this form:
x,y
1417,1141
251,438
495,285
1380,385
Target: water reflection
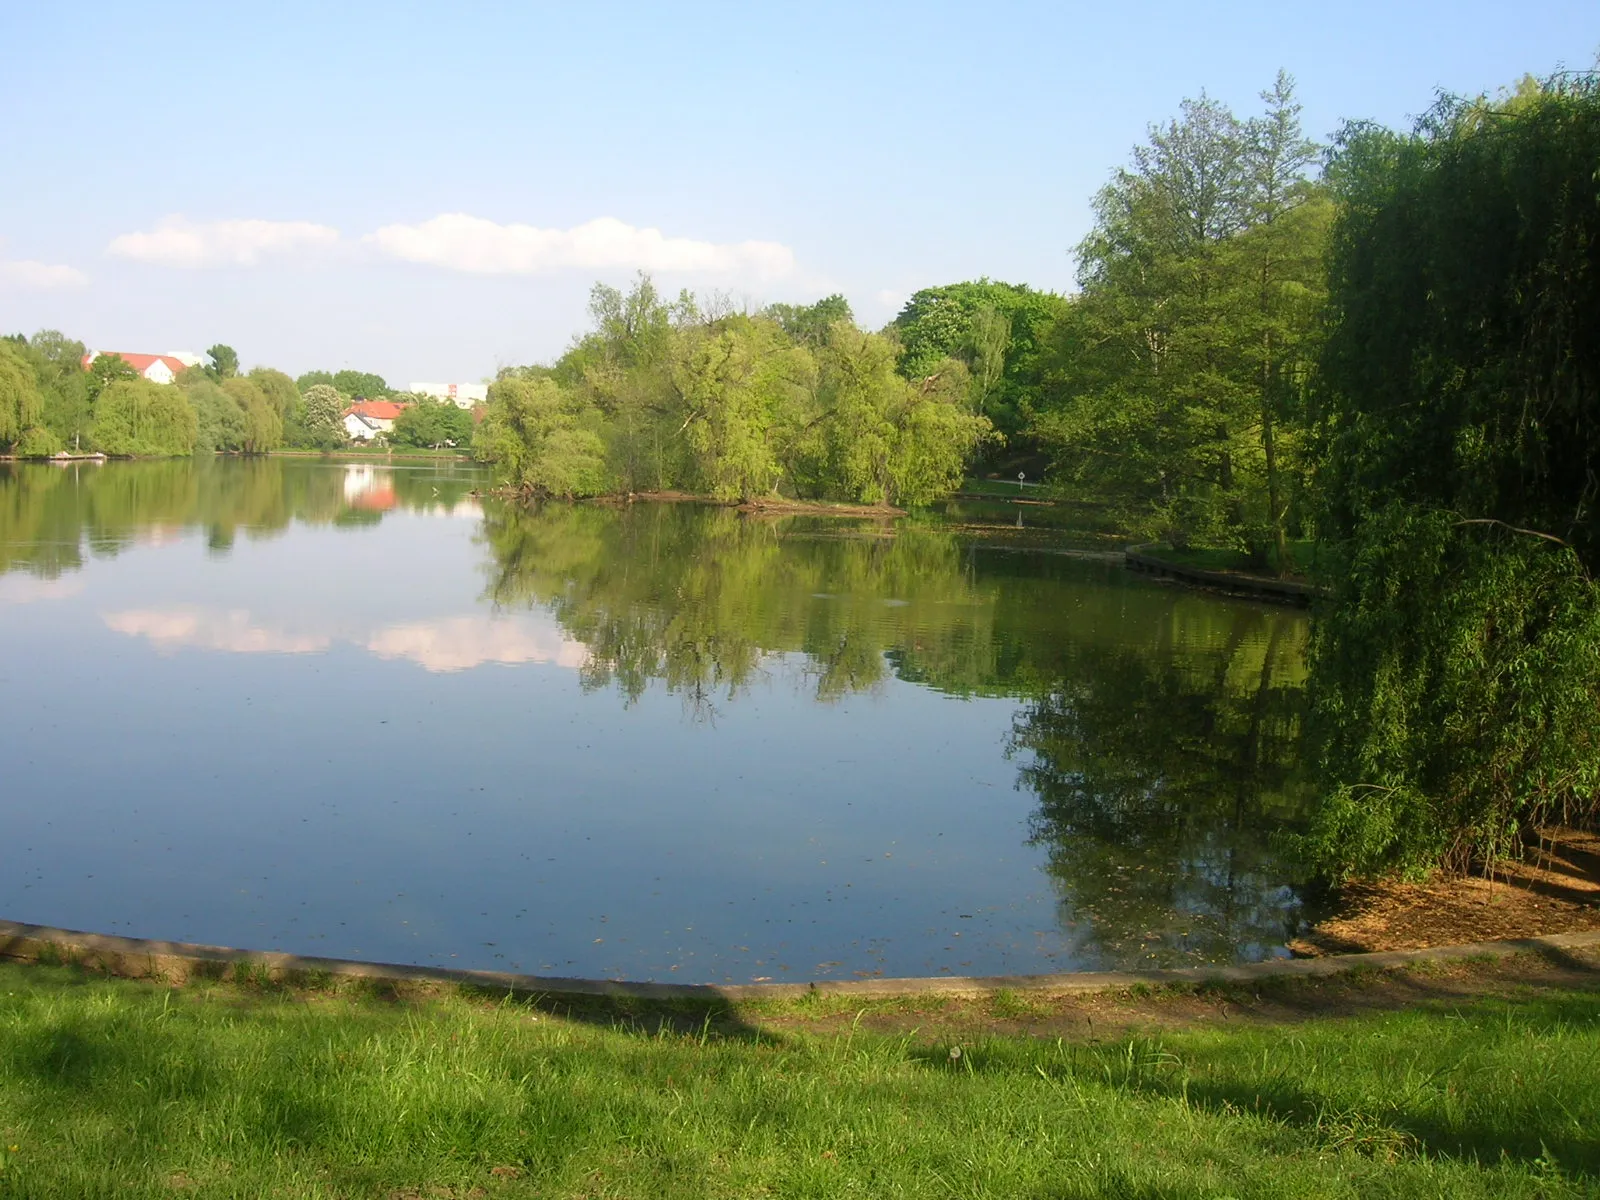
x,y
1159,729
1109,758
51,517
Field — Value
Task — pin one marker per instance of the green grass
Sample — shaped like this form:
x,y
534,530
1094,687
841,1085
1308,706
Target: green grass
x,y
115,1088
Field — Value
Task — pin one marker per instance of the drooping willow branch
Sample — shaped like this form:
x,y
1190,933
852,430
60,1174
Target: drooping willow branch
x,y
1549,537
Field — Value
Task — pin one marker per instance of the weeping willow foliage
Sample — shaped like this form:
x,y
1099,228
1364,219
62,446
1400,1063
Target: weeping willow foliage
x,y
139,418
735,406
1456,672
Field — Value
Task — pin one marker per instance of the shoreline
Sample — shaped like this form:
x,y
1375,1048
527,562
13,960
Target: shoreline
x,y
1239,583
776,507
180,962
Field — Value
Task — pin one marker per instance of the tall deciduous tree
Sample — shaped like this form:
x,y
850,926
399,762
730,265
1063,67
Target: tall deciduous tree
x,y
223,362
1175,378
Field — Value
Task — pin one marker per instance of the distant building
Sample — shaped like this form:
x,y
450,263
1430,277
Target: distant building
x,y
462,395
366,419
157,368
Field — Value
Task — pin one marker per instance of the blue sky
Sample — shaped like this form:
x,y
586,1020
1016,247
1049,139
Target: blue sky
x,y
428,191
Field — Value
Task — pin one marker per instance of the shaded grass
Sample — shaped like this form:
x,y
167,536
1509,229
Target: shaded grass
x,y
118,1088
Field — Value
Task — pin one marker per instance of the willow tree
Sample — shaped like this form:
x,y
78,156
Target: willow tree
x,y
263,426
1457,669
21,406
138,418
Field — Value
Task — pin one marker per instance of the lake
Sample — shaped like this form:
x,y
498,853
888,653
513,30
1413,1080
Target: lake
x,y
350,709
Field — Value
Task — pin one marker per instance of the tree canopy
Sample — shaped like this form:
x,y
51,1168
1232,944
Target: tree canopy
x,y
135,416
1457,671
685,395
360,385
996,330
1176,383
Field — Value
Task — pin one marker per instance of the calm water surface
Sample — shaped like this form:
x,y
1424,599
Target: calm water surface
x,y
349,710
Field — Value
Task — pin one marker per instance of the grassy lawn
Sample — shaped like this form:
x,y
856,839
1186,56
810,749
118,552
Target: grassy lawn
x,y
116,1088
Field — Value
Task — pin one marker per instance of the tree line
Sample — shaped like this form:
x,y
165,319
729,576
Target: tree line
x,y
51,402
689,395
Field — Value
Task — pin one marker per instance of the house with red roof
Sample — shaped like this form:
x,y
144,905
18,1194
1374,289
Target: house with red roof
x,y
157,368
366,419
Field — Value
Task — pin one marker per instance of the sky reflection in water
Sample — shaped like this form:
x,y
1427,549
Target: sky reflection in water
x,y
349,711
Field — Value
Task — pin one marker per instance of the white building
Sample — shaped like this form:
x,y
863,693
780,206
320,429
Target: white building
x,y
157,368
366,419
462,395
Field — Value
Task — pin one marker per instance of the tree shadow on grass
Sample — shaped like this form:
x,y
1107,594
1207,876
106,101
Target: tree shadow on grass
x,y
1385,1130
712,1018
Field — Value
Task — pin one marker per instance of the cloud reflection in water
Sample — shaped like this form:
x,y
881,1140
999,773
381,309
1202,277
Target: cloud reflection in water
x,y
442,645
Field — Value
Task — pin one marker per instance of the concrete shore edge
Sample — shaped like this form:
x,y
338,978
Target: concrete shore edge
x,y
176,962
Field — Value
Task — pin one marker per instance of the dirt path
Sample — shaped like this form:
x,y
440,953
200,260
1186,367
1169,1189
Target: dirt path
x,y
1275,1001
1556,891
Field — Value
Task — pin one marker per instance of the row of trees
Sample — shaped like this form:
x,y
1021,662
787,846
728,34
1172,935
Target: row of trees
x,y
1174,388
50,402
738,406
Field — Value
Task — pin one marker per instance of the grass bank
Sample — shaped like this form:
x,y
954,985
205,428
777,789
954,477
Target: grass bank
x,y
127,1089
392,452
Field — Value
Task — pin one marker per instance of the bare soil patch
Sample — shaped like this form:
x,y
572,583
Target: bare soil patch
x,y
1555,890
1273,1001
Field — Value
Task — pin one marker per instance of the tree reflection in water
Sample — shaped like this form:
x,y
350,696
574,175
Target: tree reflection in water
x,y
1158,728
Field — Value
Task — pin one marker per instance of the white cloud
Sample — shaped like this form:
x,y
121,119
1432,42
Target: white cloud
x,y
26,589
465,243
28,274
179,242
458,643
892,300
232,631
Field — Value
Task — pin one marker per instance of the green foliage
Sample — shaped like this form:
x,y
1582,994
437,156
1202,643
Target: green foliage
x,y
223,362
280,390
263,427
1457,671
63,384
324,412
533,435
137,417
427,421
219,422
1176,382
996,329
733,406
809,324
107,369
20,404
121,1088
361,385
